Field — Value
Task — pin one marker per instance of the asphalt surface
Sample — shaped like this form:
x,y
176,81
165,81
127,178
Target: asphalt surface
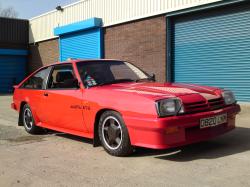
x,y
56,159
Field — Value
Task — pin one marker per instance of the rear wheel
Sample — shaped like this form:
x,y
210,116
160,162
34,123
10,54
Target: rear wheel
x,y
114,134
28,121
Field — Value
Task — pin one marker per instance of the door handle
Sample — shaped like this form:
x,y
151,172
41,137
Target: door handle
x,y
46,94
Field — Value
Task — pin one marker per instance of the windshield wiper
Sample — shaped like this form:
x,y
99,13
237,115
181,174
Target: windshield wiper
x,y
116,81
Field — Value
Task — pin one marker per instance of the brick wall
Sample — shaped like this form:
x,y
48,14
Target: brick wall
x,y
141,42
43,53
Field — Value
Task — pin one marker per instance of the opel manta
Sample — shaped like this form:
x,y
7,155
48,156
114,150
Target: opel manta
x,y
121,107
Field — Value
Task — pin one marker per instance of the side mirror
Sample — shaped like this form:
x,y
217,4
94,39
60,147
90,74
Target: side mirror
x,y
152,77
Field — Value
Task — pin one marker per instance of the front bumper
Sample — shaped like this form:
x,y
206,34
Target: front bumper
x,y
154,133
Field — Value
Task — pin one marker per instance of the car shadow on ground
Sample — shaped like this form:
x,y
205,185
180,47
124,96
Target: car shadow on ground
x,y
72,137
234,142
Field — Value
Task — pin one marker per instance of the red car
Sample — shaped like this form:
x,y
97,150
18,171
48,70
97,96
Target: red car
x,y
120,106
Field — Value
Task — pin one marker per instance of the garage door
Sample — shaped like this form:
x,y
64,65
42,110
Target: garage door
x,y
12,68
84,44
213,48
82,40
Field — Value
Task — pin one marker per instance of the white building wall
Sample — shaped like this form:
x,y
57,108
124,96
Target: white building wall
x,y
111,11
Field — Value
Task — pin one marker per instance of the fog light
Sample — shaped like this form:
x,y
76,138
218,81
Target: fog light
x,y
172,130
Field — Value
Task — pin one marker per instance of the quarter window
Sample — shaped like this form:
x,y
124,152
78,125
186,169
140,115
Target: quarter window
x,y
38,80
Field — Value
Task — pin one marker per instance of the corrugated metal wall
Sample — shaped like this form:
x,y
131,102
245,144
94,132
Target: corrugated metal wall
x,y
213,48
14,38
111,12
14,33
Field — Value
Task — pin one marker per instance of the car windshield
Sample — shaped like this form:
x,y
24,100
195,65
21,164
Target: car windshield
x,y
97,73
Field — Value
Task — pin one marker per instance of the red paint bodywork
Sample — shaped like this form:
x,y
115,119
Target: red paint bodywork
x,y
75,111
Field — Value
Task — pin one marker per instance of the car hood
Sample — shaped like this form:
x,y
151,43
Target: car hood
x,y
163,90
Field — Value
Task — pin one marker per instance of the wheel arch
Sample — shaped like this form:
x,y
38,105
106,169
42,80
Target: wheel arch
x,y
20,121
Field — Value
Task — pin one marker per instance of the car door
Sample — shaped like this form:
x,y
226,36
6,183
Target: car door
x,y
63,100
33,89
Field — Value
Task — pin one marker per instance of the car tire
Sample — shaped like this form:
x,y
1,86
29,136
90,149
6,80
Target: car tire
x,y
113,134
29,122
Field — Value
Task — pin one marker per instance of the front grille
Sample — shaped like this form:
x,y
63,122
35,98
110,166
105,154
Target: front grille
x,y
202,106
196,107
216,103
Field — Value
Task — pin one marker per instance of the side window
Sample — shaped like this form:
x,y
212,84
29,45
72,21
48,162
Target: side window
x,y
38,80
62,76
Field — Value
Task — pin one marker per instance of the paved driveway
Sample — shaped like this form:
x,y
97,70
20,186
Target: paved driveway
x,y
64,160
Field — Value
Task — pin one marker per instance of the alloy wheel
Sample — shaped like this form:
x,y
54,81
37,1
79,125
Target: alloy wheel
x,y
112,132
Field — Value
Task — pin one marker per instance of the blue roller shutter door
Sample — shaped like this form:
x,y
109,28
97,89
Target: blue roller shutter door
x,y
214,49
12,71
82,44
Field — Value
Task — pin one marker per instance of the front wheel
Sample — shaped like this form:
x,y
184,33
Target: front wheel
x,y
28,121
113,134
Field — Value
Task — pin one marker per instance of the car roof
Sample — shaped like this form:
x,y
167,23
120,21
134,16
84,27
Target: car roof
x,y
73,61
86,60
80,60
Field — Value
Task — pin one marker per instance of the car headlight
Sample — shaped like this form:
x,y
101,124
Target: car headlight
x,y
169,107
229,97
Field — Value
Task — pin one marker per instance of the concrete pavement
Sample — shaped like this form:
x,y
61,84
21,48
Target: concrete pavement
x,y
56,159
